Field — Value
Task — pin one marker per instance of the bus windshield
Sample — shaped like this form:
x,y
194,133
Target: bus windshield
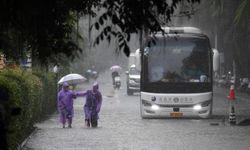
x,y
179,60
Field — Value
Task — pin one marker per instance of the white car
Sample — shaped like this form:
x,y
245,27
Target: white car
x,y
133,80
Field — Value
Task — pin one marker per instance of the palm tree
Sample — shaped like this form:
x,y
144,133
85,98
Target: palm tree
x,y
242,10
242,21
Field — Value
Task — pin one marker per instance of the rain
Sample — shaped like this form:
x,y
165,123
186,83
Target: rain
x,y
125,75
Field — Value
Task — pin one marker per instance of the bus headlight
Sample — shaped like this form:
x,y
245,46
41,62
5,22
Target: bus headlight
x,y
155,107
197,107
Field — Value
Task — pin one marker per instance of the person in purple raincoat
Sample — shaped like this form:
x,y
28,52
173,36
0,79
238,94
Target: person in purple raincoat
x,y
65,100
92,106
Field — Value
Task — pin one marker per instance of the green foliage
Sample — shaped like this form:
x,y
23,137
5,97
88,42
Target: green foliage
x,y
216,8
49,92
242,12
43,26
131,16
46,27
34,95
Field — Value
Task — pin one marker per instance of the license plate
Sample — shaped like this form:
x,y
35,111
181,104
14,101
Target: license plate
x,y
117,78
176,114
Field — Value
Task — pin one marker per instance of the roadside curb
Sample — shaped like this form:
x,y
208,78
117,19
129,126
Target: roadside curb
x,y
21,146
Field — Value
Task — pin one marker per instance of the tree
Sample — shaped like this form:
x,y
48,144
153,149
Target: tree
x,y
242,11
242,22
121,18
46,27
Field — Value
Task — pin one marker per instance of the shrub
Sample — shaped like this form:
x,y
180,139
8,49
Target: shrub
x,y
49,91
34,94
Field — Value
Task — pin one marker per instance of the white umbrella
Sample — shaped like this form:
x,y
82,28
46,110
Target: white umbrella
x,y
72,79
116,68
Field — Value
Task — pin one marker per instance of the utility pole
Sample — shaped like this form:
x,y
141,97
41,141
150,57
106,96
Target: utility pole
x,y
216,47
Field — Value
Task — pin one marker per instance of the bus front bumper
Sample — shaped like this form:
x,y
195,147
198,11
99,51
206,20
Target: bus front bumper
x,y
156,111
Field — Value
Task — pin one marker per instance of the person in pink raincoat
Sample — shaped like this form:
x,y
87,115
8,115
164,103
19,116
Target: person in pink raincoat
x,y
65,101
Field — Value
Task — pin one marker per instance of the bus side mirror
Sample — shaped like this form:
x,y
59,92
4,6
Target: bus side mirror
x,y
216,60
138,59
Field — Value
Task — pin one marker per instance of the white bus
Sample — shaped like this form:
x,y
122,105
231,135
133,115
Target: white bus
x,y
176,74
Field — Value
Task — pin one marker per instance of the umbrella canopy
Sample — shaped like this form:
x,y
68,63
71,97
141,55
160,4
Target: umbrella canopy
x,y
116,68
72,79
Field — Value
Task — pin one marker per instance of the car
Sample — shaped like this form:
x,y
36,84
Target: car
x,y
133,80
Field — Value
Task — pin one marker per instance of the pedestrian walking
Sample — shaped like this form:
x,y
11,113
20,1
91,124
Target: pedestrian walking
x,y
65,100
92,106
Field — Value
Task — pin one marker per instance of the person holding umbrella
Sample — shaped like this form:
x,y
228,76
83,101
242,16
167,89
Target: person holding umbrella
x,y
65,100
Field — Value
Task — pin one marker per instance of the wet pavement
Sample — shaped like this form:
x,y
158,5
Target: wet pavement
x,y
121,127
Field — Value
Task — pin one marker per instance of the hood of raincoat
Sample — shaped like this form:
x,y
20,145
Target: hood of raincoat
x,y
65,86
95,87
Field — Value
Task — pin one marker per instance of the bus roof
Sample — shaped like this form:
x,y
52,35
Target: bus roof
x,y
176,30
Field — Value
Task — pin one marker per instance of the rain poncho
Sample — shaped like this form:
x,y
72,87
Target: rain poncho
x,y
65,103
93,103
